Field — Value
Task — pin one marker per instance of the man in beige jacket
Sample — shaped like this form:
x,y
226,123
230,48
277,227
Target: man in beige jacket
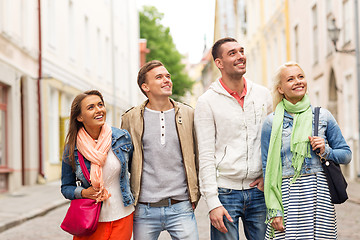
x,y
163,167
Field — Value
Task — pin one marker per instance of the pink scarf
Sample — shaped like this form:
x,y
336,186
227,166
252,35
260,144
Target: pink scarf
x,y
96,153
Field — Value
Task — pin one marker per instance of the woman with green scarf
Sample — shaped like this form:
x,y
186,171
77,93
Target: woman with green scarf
x,y
296,192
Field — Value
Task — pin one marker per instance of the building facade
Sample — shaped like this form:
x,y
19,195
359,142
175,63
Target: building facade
x,y
86,44
18,93
51,50
332,75
276,31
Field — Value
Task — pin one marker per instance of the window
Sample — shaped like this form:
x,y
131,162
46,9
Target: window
x,y
329,43
296,36
328,7
283,47
51,23
108,61
269,68
3,126
54,127
87,44
24,22
315,35
349,107
99,54
71,33
347,23
1,15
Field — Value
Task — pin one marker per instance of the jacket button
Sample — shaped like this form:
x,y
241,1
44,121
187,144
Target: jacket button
x,y
117,151
307,169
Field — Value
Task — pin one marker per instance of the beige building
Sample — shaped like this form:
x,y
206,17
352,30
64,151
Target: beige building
x,y
277,31
18,93
51,50
86,44
331,75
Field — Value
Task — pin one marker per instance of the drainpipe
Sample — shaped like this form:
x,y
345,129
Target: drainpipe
x,y
41,173
357,54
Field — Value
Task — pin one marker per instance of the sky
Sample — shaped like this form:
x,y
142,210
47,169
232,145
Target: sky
x,y
190,23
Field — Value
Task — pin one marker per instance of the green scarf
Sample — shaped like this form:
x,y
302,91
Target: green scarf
x,y
300,148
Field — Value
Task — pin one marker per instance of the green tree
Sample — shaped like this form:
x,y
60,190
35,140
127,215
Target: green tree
x,y
162,48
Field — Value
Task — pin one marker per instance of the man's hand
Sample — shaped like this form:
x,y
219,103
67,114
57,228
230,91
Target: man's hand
x,y
259,182
277,223
216,218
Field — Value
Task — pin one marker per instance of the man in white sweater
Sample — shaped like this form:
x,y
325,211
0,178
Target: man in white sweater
x,y
228,121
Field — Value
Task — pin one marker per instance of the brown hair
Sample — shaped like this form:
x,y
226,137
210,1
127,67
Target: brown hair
x,y
75,125
144,70
217,45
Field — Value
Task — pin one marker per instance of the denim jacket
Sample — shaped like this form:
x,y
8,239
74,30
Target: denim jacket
x,y
336,148
121,146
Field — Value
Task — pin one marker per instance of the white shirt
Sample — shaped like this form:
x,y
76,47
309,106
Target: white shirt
x,y
113,208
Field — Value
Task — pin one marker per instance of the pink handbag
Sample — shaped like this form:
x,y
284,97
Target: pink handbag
x,y
83,214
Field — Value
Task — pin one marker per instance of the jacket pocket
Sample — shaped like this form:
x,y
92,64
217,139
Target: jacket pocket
x,y
218,164
125,147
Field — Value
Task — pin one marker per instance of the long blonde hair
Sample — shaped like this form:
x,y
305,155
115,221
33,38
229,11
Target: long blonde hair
x,y
278,97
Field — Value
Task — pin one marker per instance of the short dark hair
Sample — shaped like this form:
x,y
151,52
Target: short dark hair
x,y
144,70
217,45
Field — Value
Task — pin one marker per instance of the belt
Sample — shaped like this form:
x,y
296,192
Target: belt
x,y
166,202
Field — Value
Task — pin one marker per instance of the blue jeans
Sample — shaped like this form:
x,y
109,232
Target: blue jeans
x,y
178,219
249,205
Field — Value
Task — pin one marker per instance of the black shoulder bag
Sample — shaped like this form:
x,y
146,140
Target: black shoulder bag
x,y
335,179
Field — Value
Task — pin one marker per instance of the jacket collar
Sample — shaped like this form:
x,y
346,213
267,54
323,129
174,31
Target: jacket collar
x,y
143,105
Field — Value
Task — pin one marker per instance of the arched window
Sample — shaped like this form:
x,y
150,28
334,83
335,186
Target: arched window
x,y
332,105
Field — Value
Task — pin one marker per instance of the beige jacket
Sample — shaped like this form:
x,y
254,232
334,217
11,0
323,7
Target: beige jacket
x,y
133,121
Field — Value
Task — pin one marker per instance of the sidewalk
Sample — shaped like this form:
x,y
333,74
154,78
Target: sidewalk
x,y
29,202
33,201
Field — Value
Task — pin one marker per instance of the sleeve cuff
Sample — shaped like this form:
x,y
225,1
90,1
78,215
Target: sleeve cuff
x,y
271,213
213,202
77,192
327,151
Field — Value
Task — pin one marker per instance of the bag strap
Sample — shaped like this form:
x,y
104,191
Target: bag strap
x,y
83,167
316,125
316,121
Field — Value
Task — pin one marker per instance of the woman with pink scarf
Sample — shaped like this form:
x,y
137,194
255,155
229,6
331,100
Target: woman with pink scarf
x,y
106,151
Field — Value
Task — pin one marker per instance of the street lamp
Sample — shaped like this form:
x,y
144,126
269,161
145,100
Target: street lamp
x,y
334,36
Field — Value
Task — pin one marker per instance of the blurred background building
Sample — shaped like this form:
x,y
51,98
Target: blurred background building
x,y
276,31
51,50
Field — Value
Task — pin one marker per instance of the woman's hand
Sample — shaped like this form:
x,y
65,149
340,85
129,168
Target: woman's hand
x,y
277,223
317,143
93,193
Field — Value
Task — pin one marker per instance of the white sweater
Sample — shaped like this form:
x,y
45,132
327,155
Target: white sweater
x,y
229,139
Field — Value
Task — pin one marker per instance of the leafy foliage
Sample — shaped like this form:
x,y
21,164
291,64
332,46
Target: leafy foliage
x,y
162,48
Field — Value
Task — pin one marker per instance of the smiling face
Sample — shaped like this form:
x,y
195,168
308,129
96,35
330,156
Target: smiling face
x,y
158,83
233,60
293,84
93,113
